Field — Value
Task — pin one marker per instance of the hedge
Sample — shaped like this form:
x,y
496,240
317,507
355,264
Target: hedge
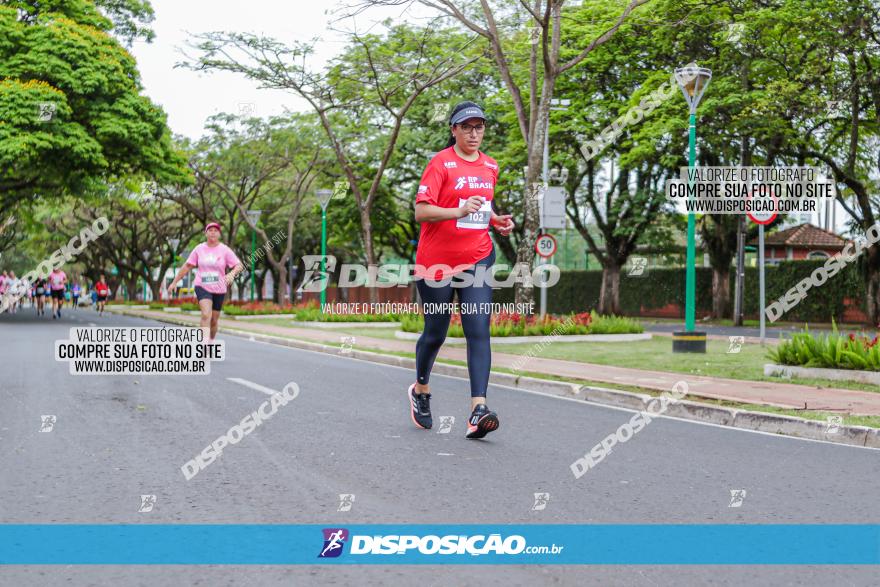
x,y
578,291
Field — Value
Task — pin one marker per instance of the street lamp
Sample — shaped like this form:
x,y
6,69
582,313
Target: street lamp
x,y
173,242
693,82
324,199
254,216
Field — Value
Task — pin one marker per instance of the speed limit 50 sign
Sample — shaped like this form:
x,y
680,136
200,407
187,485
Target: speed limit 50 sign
x,y
545,246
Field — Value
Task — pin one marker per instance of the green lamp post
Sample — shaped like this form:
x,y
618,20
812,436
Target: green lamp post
x,y
693,82
324,197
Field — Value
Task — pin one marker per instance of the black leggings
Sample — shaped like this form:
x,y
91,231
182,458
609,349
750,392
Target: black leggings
x,y
476,328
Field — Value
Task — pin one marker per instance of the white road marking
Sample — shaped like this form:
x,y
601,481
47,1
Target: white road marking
x,y
252,385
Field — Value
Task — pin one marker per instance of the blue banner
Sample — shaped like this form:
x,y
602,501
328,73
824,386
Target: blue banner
x,y
268,544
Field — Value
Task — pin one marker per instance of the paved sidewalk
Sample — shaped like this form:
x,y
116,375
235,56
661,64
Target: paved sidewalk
x,y
783,395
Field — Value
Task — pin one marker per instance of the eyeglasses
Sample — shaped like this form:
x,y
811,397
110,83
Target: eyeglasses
x,y
466,128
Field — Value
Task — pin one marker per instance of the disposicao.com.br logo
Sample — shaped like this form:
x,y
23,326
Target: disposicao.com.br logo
x,y
335,539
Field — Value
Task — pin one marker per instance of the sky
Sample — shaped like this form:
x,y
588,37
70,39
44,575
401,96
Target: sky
x,y
189,97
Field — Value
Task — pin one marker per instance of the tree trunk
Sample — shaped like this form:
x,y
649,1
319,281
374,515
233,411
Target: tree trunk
x,y
155,289
260,279
369,252
720,292
872,282
131,288
609,296
526,250
281,283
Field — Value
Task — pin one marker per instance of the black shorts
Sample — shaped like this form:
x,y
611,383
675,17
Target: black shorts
x,y
216,299
102,298
58,294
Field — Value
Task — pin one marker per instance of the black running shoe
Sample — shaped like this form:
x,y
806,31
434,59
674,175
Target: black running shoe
x,y
420,408
482,422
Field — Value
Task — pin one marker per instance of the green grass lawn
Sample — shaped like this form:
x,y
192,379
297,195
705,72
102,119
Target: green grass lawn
x,y
379,332
656,355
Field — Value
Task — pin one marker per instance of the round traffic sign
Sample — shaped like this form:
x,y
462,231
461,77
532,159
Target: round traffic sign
x,y
764,216
545,246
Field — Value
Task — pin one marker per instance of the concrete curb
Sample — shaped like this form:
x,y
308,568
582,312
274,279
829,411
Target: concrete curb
x,y
257,316
685,409
789,371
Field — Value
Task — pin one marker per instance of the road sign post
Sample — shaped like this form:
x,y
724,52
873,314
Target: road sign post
x,y
761,278
762,219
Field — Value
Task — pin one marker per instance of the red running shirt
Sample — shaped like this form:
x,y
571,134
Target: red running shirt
x,y
447,182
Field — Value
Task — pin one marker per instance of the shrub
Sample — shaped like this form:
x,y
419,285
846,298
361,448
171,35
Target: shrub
x,y
157,305
314,314
189,307
830,351
257,308
506,324
614,325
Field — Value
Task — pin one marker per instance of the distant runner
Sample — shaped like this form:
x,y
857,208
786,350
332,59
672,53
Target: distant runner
x,y
102,292
75,290
13,289
57,283
40,287
211,259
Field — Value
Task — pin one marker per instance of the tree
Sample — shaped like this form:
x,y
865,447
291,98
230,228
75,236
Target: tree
x,y
531,96
71,111
372,85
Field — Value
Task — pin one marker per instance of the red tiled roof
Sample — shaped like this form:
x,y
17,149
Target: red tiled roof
x,y
803,236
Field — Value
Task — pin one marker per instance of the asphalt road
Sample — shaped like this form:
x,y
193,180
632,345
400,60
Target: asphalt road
x,y
348,432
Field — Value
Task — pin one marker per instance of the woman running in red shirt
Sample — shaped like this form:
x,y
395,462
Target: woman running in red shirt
x,y
454,206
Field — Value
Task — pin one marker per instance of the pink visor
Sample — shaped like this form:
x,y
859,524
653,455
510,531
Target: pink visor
x,y
212,225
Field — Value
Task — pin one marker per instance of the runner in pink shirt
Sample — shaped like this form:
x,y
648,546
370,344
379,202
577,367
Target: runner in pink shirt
x,y
57,282
211,259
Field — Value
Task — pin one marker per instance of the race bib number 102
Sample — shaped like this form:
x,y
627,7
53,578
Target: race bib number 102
x,y
478,219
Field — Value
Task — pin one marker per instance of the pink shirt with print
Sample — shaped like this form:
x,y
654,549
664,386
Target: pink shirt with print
x,y
56,280
211,264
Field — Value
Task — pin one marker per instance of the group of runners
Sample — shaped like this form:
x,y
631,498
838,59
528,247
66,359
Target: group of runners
x,y
453,205
54,289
